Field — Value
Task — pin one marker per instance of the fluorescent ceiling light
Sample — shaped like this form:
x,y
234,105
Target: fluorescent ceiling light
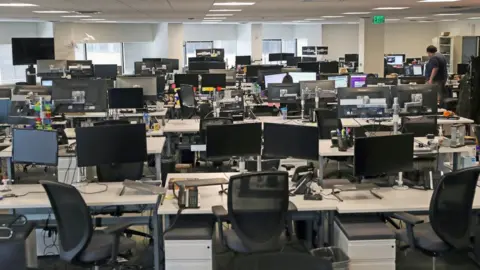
x,y
234,4
390,8
315,19
437,1
332,17
213,15
449,20
215,18
93,19
17,5
225,10
474,18
298,21
424,21
392,20
413,18
357,13
51,12
448,14
76,16
211,21
107,21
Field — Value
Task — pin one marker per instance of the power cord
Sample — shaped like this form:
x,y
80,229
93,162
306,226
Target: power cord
x,y
94,192
30,192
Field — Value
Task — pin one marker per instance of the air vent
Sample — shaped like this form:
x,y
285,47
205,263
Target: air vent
x,y
88,12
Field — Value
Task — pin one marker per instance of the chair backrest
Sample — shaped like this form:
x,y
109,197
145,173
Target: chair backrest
x,y
420,126
327,120
122,171
186,96
72,216
257,208
451,206
217,121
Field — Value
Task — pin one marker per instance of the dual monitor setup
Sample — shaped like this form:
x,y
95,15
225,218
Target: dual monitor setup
x,y
206,80
378,101
97,145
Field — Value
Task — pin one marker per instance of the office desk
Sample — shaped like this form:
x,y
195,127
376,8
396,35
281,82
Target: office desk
x,y
154,147
97,115
359,122
326,150
108,198
70,132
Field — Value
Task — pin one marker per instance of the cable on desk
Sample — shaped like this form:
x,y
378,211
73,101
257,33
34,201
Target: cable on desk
x,y
95,192
179,213
30,192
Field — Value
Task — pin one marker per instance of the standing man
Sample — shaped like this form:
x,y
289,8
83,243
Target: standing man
x,y
437,72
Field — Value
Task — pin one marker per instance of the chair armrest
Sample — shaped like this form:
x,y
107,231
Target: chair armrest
x,y
117,228
219,211
407,218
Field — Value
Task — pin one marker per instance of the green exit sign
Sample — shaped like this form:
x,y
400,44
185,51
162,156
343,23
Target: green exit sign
x,y
378,19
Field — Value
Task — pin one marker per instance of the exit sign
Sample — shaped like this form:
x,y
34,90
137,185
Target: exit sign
x,y
378,19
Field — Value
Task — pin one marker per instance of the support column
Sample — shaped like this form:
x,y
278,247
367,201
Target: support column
x,y
160,44
371,47
176,42
64,40
257,42
244,39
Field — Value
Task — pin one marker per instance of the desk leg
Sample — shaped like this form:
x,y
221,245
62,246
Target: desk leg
x,y
158,254
158,166
321,230
455,161
9,168
169,145
330,217
320,170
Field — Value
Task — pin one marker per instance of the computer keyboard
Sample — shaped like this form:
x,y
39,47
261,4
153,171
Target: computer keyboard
x,y
143,187
195,182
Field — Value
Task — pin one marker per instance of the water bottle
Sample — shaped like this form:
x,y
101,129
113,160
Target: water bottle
x,y
146,120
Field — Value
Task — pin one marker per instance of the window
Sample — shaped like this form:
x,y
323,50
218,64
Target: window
x,y
134,52
10,74
230,47
278,46
100,53
192,46
80,52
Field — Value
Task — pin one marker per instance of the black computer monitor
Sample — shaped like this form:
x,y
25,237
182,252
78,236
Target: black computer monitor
x,y
283,92
462,69
417,99
35,146
188,79
308,59
420,126
412,80
409,61
206,65
385,81
172,64
363,102
395,59
27,51
214,80
295,141
309,66
105,71
293,61
351,57
383,154
252,70
272,57
125,98
103,145
240,140
243,60
79,95
329,67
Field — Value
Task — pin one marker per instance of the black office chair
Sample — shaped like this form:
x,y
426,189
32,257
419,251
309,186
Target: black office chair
x,y
186,97
204,123
450,216
258,205
282,261
81,245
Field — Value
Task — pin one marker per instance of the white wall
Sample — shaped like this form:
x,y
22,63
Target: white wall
x,y
460,28
16,29
341,39
279,31
311,32
409,38
209,32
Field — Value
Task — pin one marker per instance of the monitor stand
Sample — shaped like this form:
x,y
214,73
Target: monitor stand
x,y
399,185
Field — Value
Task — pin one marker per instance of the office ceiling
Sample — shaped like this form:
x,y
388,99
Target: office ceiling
x,y
285,11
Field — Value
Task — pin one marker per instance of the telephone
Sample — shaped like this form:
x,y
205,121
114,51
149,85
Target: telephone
x,y
301,171
188,197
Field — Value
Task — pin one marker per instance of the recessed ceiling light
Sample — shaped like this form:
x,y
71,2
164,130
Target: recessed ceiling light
x,y
357,13
448,14
234,4
333,16
474,18
51,12
352,23
392,20
212,21
390,8
107,21
213,15
414,18
449,20
17,5
215,18
76,16
437,1
424,21
225,10
314,19
299,21
93,19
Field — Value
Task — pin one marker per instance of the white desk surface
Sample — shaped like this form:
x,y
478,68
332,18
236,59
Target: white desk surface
x,y
325,149
209,197
358,122
70,132
161,113
154,146
40,200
